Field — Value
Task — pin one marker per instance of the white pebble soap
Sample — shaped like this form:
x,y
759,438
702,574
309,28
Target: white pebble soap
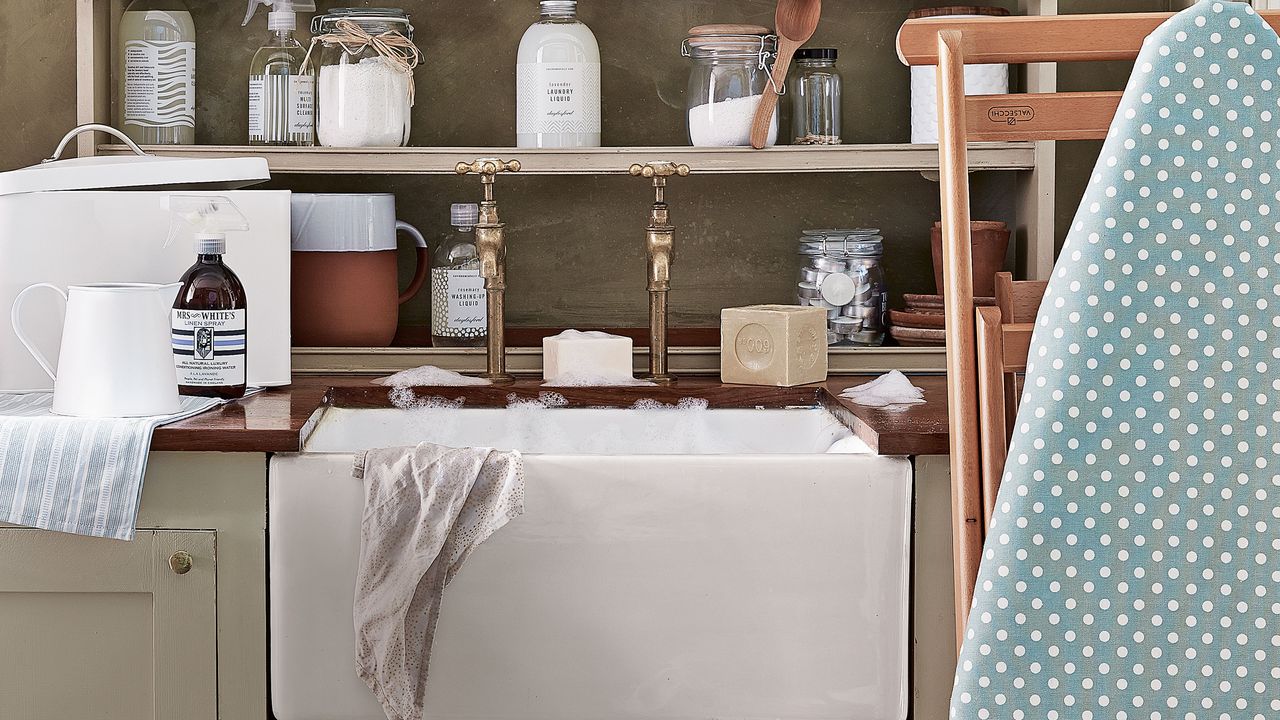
x,y
576,354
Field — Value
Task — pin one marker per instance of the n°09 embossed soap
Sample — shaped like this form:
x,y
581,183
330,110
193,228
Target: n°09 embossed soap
x,y
778,345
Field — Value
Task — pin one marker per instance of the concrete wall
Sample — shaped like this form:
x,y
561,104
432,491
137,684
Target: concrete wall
x,y
576,243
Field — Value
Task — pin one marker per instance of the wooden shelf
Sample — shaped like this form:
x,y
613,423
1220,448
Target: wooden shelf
x,y
610,161
690,361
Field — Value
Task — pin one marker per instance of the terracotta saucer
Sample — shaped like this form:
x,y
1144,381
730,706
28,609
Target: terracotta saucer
x,y
915,301
918,337
918,318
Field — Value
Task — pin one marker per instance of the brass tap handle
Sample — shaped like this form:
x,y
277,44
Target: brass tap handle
x,y
659,169
487,166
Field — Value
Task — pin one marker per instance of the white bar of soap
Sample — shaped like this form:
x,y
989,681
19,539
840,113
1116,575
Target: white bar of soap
x,y
574,354
778,345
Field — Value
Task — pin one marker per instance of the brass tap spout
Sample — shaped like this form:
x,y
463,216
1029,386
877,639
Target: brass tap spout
x,y
659,244
492,249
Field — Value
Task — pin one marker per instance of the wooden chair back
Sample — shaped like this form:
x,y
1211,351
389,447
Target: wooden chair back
x,y
1003,339
949,43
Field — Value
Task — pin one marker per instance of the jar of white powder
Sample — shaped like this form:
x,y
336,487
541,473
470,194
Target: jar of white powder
x,y
364,89
731,65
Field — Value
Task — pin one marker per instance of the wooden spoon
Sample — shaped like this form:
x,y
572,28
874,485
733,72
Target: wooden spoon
x,y
795,20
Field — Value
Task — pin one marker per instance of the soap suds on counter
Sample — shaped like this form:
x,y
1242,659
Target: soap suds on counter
x,y
429,376
405,398
596,380
727,123
688,404
544,401
887,390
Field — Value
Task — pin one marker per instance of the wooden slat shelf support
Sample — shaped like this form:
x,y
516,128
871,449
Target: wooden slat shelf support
x,y
611,161
1035,39
690,361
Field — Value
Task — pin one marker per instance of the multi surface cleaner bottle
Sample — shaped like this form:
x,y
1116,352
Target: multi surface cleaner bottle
x,y
281,92
209,317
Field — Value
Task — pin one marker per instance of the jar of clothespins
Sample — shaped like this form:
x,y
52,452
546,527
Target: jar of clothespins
x,y
364,90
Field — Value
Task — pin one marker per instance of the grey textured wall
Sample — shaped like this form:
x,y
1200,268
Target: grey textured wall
x,y
576,253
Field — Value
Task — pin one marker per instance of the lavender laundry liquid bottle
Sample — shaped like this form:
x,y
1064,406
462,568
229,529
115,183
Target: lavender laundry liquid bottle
x,y
210,313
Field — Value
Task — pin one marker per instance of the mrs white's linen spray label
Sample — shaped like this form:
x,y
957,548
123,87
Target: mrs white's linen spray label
x,y
209,347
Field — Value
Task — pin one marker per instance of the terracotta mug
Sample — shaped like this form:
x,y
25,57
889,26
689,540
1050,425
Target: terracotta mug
x,y
345,270
989,242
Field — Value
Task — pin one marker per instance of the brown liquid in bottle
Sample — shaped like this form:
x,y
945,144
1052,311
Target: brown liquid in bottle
x,y
211,309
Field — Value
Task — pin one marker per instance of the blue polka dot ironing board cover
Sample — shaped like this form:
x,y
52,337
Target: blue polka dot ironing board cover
x,y
1132,568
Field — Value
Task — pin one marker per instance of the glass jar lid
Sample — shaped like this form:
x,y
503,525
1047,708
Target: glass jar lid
x,y
831,243
817,54
832,232
731,41
372,20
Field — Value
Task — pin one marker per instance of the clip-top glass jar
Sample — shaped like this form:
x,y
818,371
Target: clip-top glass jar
x,y
731,66
364,91
841,274
814,87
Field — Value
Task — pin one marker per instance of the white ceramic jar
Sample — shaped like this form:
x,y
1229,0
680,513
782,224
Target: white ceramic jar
x,y
978,79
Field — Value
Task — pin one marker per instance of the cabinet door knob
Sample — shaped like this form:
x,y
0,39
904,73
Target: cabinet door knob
x,y
180,562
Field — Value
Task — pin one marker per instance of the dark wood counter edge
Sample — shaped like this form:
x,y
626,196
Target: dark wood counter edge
x,y
279,420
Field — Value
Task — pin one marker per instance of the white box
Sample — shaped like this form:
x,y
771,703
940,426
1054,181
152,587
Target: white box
x,y
84,236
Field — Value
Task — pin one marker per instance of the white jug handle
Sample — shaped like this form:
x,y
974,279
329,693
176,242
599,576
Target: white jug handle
x,y
16,320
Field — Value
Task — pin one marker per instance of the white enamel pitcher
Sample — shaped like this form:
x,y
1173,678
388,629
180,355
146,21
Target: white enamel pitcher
x,y
116,358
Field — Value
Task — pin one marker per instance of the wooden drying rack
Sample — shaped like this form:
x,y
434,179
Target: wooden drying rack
x,y
950,43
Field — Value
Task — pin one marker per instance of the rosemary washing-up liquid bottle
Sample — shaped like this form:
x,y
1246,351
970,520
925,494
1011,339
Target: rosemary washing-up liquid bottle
x,y
210,314
558,81
156,92
281,92
459,302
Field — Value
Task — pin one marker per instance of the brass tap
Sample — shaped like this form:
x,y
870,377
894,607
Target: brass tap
x,y
492,248
659,245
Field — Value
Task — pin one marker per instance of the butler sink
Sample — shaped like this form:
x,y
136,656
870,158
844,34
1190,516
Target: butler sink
x,y
670,564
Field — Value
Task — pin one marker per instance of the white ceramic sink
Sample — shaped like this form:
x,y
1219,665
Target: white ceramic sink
x,y
669,565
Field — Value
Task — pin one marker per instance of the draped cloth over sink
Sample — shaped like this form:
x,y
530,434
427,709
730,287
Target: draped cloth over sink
x,y
426,508
1131,569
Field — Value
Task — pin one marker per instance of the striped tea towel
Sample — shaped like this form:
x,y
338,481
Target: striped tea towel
x,y
75,475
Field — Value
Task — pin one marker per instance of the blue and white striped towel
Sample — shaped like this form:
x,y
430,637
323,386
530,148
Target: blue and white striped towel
x,y
75,475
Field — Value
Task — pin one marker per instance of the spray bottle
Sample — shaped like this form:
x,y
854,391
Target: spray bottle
x,y
281,91
209,315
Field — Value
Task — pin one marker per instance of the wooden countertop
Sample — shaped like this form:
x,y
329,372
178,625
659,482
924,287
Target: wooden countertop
x,y
275,420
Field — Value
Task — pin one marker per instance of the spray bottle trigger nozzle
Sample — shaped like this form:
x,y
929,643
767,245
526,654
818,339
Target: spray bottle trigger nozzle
x,y
253,8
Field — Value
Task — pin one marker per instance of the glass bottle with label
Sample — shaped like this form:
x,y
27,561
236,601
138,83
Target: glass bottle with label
x,y
281,91
210,314
558,81
459,302
156,77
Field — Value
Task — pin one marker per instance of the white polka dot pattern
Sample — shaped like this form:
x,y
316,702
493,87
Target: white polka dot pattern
x,y
1132,569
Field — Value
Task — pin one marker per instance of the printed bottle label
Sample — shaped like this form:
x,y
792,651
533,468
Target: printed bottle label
x,y
281,108
557,98
458,303
302,107
209,347
160,83
257,108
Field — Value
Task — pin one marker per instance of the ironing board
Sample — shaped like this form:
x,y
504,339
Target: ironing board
x,y
1132,569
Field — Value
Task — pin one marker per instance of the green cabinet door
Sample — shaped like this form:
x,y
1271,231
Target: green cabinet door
x,y
102,629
